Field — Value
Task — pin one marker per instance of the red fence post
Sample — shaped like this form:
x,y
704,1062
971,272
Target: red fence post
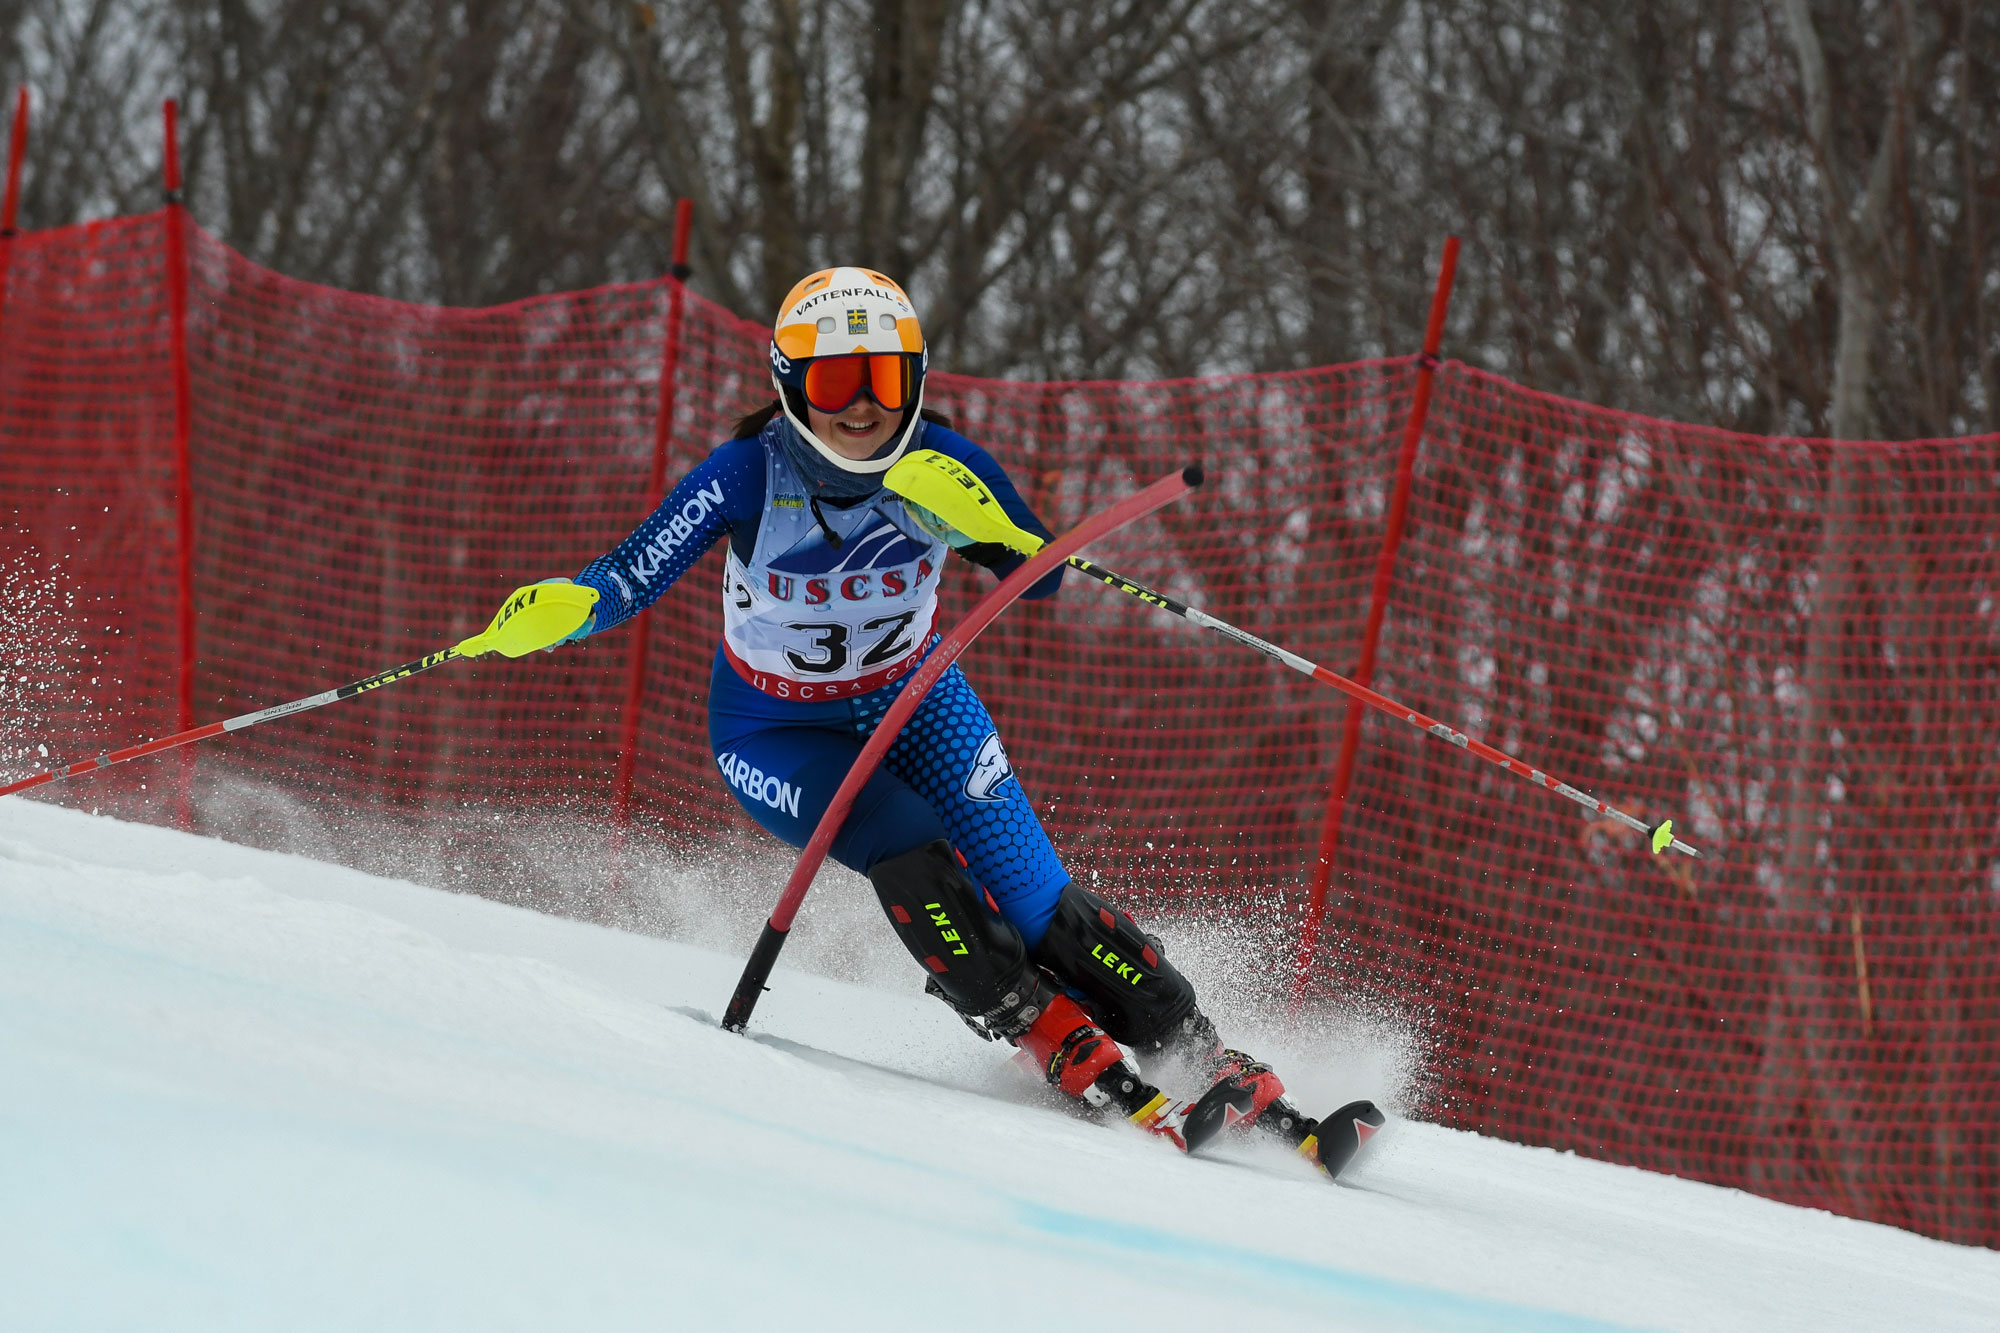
x,y
1371,631
17,151
177,298
656,491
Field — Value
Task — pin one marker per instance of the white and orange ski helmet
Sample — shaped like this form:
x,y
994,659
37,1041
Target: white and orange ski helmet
x,y
842,332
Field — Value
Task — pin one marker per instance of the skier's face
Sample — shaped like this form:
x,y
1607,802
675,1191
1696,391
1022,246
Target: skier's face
x,y
857,430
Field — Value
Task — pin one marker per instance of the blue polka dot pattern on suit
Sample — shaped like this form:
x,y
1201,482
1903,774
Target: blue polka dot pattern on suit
x,y
1003,843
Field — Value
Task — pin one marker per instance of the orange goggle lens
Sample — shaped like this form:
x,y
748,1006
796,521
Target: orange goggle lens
x,y
832,382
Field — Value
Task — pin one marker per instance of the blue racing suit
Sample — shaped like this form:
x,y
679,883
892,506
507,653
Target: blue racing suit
x,y
821,636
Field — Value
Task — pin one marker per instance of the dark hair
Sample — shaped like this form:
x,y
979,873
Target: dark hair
x,y
753,423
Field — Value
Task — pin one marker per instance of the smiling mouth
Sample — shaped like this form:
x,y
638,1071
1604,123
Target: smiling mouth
x,y
849,428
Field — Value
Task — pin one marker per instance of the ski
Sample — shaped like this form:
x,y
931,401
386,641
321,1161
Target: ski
x,y
1333,1142
1330,1143
1248,1097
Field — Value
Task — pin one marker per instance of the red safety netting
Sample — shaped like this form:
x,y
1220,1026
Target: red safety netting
x,y
1791,646
87,486
1795,647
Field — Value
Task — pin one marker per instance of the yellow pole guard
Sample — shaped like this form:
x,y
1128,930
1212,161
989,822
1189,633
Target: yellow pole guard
x,y
540,615
954,493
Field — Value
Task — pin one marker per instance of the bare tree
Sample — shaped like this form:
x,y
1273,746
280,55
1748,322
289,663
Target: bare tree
x,y
1677,208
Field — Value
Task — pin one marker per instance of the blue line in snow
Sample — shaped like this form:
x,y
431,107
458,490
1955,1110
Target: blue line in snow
x,y
1378,1296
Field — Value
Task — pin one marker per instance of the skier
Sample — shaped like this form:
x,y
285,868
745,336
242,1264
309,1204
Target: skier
x,y
829,594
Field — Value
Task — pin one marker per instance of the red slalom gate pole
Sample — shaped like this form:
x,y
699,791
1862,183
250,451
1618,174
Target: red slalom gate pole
x,y
765,955
177,301
1371,632
656,491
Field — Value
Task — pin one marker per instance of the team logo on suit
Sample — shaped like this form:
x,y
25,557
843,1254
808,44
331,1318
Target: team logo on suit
x,y
990,770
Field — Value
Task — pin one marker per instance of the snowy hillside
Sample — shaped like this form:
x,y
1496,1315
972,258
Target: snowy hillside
x,y
242,1090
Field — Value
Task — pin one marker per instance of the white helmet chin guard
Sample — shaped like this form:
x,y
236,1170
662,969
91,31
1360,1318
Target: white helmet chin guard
x,y
846,312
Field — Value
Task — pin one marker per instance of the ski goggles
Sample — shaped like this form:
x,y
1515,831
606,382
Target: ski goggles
x,y
831,383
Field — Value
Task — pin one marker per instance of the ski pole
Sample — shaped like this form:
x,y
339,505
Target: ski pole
x,y
1661,835
531,618
953,494
765,953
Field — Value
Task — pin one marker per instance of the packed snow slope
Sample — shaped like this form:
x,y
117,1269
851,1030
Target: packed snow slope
x,y
244,1090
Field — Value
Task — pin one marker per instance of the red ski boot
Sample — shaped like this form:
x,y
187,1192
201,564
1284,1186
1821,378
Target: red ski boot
x,y
1247,1089
1077,1056
1249,1095
1245,1094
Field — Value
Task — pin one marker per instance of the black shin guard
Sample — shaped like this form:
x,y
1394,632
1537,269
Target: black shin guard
x,y
976,960
1138,997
